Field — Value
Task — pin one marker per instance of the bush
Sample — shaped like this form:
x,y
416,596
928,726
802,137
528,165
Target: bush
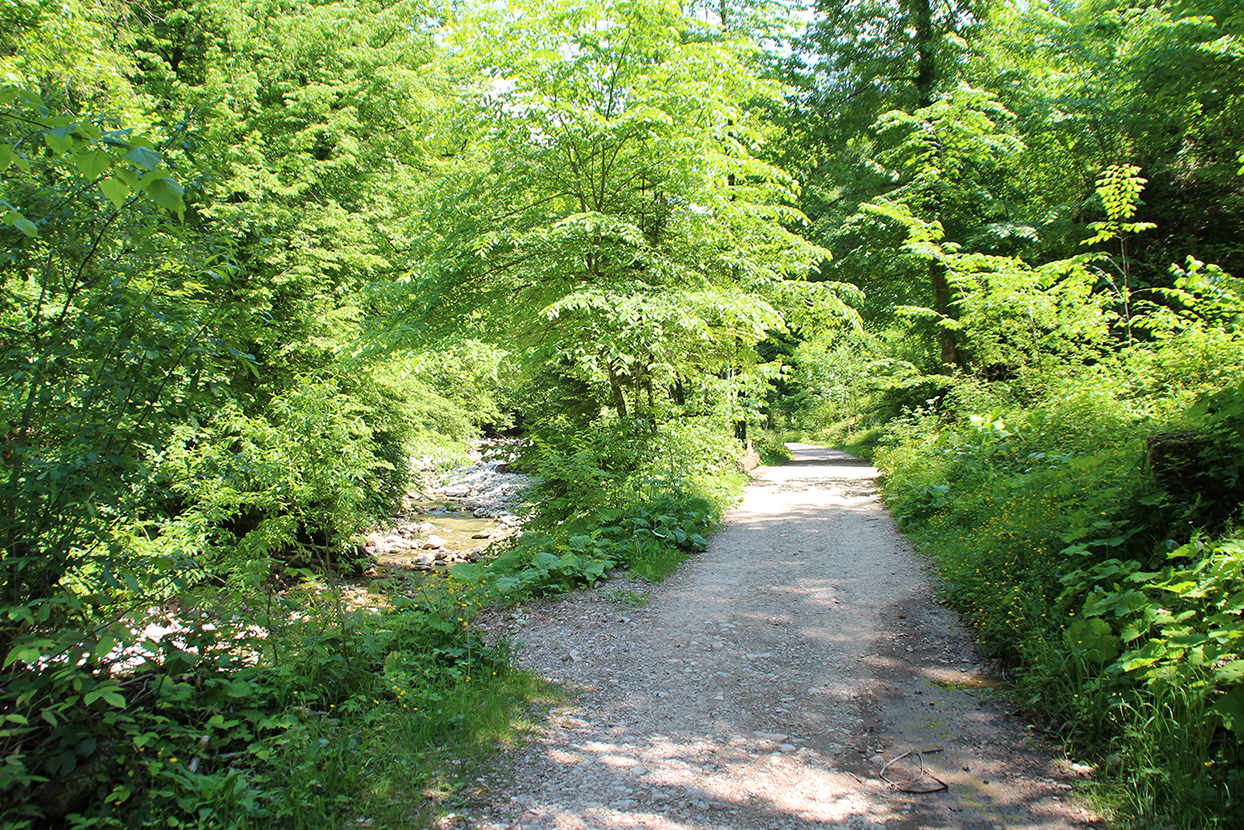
x,y
622,493
294,484
248,713
1093,578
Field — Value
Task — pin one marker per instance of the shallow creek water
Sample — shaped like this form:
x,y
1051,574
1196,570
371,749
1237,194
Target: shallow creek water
x,y
461,531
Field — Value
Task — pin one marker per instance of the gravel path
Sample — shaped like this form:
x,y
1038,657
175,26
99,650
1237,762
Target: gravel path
x,y
769,683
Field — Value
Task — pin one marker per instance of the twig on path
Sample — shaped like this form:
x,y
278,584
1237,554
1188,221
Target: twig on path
x,y
915,785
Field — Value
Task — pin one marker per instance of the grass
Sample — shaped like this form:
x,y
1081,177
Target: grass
x,y
654,562
629,598
418,766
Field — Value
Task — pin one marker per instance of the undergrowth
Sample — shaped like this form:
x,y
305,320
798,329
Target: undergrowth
x,y
302,713
623,493
1093,543
266,699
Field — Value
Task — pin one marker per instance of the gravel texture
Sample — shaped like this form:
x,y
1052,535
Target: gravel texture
x,y
776,681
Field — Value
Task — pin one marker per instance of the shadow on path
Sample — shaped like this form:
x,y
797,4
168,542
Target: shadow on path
x,y
769,681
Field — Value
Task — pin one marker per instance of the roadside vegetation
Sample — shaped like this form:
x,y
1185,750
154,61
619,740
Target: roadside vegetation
x,y
256,257
1091,539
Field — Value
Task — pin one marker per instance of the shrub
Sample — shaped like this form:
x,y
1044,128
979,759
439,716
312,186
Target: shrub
x,y
1094,579
250,712
623,492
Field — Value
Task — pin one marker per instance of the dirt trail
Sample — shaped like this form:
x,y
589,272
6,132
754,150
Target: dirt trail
x,y
768,683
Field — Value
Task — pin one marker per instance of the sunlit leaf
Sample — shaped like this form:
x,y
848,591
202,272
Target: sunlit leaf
x,y
25,226
93,163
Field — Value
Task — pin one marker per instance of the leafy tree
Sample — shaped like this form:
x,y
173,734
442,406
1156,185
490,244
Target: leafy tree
x,y
617,226
71,44
1098,84
172,404
945,159
108,308
286,144
858,61
1182,68
762,22
312,122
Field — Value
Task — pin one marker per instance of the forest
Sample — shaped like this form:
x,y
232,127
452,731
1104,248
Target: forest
x,y
258,255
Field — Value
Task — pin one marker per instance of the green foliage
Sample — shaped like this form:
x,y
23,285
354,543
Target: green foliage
x,y
652,534
208,727
1092,572
944,157
1223,457
294,483
177,412
254,256
609,463
615,222
1081,498
859,60
110,337
622,493
1155,83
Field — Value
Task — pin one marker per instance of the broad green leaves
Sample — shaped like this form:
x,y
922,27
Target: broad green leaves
x,y
167,193
13,218
120,162
93,163
116,190
1092,640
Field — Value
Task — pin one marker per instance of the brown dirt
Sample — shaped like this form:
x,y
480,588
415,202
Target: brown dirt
x,y
770,681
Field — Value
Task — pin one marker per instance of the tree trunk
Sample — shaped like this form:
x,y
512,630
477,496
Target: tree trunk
x,y
948,343
926,64
926,86
615,387
678,392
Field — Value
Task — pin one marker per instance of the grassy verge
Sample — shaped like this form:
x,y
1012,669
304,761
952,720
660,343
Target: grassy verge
x,y
390,764
422,766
